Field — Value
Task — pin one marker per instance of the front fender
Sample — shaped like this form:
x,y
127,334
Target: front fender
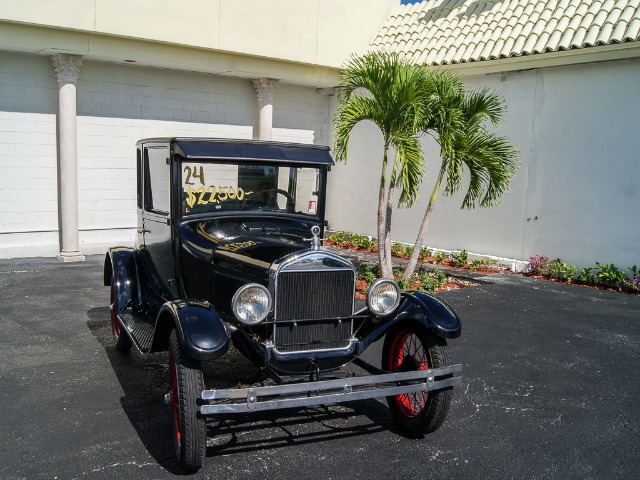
x,y
435,314
120,266
200,329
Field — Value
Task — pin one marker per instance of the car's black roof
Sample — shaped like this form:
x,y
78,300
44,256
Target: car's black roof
x,y
245,150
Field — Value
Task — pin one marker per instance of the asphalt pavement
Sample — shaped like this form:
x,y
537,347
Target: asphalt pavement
x,y
551,390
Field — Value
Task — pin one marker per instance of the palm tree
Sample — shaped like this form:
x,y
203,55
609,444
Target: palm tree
x,y
388,91
492,162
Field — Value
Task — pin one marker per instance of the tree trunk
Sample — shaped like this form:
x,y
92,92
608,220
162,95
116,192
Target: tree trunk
x,y
387,229
382,253
417,247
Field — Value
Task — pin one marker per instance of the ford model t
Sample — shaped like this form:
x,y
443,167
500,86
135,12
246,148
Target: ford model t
x,y
228,250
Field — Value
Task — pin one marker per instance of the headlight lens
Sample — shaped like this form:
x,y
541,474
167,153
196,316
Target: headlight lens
x,y
251,303
383,297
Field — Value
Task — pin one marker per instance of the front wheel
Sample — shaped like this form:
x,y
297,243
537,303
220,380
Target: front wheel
x,y
189,427
408,348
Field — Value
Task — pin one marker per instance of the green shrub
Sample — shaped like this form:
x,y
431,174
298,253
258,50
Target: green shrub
x,y
460,259
562,271
368,273
587,277
402,282
609,275
400,250
337,238
439,257
430,281
490,262
359,241
424,253
397,249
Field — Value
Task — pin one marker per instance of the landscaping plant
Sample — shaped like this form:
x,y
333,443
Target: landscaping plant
x,y
460,259
539,265
385,89
587,277
424,253
466,144
609,275
405,101
439,258
560,270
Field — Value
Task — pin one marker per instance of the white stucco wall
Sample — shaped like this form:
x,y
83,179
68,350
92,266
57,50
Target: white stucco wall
x,y
117,105
577,191
322,32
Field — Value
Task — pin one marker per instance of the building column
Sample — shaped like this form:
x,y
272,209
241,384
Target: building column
x,y
67,68
266,87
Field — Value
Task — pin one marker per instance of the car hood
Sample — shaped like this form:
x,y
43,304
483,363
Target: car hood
x,y
254,246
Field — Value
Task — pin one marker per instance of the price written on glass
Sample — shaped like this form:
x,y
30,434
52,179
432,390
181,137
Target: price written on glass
x,y
211,194
203,194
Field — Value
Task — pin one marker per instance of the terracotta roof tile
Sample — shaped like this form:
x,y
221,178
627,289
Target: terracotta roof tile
x,y
441,32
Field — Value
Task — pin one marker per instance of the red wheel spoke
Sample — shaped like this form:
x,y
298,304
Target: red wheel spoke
x,y
409,353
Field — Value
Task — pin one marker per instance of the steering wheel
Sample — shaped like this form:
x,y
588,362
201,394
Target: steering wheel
x,y
252,198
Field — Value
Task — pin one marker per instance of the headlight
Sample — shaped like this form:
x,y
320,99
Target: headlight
x,y
383,297
251,303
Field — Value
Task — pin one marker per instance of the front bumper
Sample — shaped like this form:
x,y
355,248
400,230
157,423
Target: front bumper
x,y
295,395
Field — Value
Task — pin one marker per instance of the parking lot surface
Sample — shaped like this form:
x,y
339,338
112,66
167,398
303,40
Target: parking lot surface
x,y
550,390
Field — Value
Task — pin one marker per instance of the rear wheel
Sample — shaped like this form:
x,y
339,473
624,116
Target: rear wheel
x,y
122,339
408,348
189,427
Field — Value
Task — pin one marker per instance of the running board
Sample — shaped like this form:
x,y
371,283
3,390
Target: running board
x,y
295,395
139,329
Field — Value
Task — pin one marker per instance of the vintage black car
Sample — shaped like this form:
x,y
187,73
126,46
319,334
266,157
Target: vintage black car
x,y
229,250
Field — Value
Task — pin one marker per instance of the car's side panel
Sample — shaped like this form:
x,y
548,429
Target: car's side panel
x,y
200,328
157,256
120,266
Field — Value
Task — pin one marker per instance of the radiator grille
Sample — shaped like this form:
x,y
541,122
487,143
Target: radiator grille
x,y
314,335
308,296
314,294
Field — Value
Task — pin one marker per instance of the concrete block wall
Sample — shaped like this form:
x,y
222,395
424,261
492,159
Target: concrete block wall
x,y
300,114
116,106
28,156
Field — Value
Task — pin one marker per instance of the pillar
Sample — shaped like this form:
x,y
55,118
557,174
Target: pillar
x,y
265,87
67,68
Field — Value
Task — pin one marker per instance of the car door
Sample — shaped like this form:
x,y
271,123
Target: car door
x,y
156,220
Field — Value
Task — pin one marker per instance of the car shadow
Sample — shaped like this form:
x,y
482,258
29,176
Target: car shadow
x,y
144,382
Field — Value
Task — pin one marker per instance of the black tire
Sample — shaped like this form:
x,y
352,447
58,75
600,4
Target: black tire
x,y
411,347
189,427
122,339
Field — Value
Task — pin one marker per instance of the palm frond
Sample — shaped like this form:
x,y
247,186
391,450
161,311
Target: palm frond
x,y
411,169
482,105
492,163
391,89
348,115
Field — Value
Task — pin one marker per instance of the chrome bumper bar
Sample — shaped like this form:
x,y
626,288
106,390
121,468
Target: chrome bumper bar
x,y
295,395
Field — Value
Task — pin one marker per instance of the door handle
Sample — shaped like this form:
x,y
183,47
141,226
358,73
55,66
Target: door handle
x,y
143,230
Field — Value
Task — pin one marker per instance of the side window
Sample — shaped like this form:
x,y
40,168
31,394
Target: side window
x,y
139,176
157,183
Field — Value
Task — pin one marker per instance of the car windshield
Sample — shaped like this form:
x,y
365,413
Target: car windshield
x,y
219,187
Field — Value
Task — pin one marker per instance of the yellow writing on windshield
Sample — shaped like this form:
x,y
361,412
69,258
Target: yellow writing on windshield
x,y
212,194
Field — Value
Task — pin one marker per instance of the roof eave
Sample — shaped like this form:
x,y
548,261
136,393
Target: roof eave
x,y
603,53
